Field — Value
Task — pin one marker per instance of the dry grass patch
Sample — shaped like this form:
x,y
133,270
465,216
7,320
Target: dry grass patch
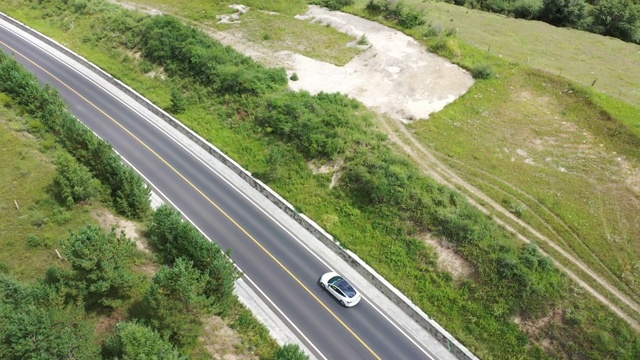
x,y
222,342
449,260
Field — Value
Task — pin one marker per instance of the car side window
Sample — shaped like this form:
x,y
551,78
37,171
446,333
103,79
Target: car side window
x,y
337,289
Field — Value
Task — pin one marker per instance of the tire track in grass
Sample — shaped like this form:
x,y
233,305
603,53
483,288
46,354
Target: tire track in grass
x,y
431,166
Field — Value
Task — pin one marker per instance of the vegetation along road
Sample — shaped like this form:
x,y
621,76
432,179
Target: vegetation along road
x,y
540,154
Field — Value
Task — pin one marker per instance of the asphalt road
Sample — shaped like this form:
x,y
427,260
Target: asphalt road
x,y
285,271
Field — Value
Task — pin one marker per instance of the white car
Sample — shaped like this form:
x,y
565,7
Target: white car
x,y
340,288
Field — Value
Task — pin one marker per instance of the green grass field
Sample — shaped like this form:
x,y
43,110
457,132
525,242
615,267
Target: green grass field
x,y
577,55
34,229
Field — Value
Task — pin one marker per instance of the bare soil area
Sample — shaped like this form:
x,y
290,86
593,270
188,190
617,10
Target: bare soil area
x,y
395,75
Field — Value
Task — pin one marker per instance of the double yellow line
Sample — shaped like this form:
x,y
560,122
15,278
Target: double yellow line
x,y
205,197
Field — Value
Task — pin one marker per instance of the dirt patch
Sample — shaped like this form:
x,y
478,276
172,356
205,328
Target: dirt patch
x,y
449,260
222,342
107,324
235,17
394,75
535,327
328,168
108,221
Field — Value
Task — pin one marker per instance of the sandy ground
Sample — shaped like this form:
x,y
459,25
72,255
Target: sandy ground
x,y
394,75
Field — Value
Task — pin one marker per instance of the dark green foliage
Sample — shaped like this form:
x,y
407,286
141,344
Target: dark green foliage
x,y
617,18
570,13
35,325
290,352
129,193
175,302
137,341
482,71
100,265
396,11
73,182
174,239
189,52
178,102
324,125
333,4
526,9
39,333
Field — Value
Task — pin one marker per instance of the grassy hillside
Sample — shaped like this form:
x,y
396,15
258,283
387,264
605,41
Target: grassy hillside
x,y
577,55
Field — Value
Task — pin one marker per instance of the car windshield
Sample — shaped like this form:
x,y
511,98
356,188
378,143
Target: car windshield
x,y
343,285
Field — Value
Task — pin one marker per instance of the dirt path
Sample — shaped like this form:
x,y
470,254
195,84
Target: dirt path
x,y
397,77
399,135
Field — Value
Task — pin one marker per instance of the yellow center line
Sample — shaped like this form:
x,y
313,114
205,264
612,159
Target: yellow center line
x,y
205,197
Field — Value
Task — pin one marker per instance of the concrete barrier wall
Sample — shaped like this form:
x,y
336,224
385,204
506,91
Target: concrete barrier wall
x,y
365,270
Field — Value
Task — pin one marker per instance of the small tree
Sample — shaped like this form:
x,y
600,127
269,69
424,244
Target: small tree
x,y
137,341
101,265
73,181
175,302
178,102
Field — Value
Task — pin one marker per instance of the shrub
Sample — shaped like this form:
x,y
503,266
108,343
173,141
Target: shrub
x,y
175,239
101,265
34,241
133,340
482,71
178,103
333,4
564,12
73,182
617,18
186,51
397,12
322,125
290,352
526,9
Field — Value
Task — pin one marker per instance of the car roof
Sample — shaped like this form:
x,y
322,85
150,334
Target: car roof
x,y
343,285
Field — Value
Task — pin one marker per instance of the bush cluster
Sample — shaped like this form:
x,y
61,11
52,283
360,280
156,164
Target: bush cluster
x,y
175,239
521,280
46,319
333,4
322,125
396,11
185,51
129,194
